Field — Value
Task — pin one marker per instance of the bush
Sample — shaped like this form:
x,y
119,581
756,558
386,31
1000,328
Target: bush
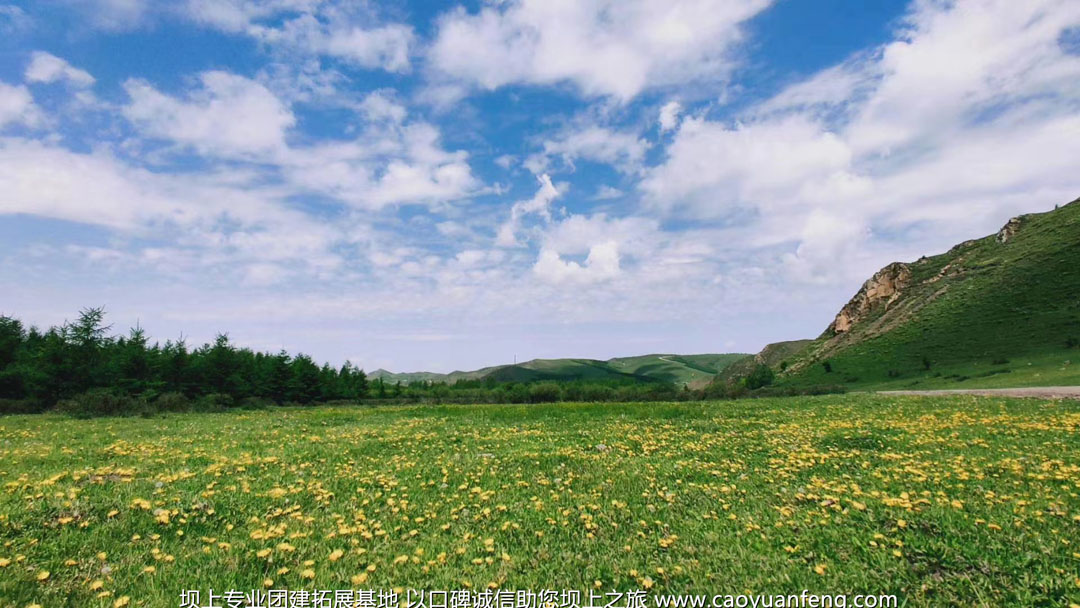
x,y
544,392
172,402
214,402
761,376
102,402
19,406
597,392
258,403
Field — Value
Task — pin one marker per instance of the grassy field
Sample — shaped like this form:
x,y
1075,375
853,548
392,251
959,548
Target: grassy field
x,y
958,501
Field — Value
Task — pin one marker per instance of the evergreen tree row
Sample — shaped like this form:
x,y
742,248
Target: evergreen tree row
x,y
40,369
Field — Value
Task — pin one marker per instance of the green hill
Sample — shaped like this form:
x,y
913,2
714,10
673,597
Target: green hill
x,y
777,356
692,370
1003,310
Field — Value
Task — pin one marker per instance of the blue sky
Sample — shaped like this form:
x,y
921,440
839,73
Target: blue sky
x,y
439,186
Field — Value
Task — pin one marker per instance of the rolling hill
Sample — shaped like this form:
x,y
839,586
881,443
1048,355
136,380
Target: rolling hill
x,y
1003,310
691,370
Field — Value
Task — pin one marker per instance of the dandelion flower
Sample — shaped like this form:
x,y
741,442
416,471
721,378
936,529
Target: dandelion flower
x,y
336,555
308,574
820,569
268,582
122,601
95,585
43,575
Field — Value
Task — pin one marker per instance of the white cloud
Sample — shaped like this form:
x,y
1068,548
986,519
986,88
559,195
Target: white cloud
x,y
116,15
343,30
539,204
386,47
206,218
45,67
669,116
388,164
624,151
971,114
17,106
606,193
605,48
229,116
713,170
601,264
380,106
13,20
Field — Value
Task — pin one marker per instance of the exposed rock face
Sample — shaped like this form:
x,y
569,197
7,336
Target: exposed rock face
x,y
1009,230
880,291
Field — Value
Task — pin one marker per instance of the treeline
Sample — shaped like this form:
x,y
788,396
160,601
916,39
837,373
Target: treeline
x,y
80,368
542,391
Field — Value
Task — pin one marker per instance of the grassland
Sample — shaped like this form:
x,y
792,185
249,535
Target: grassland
x,y
943,501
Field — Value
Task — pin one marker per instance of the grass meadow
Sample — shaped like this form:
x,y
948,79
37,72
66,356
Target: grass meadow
x,y
950,501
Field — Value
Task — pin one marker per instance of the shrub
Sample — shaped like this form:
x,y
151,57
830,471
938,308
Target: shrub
x,y
258,403
827,366
102,402
597,393
19,406
214,402
544,392
172,402
761,376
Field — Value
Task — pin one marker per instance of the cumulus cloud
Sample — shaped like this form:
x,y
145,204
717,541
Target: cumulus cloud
x,y
623,150
604,48
539,204
335,29
208,218
601,264
669,116
228,115
967,116
17,106
46,67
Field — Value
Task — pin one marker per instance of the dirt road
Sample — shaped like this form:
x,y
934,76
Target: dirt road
x,y
1044,392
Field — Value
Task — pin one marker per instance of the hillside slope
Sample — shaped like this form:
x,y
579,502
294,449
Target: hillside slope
x,y
692,370
776,355
1003,310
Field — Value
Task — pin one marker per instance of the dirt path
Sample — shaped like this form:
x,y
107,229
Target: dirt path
x,y
1044,392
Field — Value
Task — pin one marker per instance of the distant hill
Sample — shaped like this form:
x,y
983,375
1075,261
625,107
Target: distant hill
x,y
1003,310
691,370
777,356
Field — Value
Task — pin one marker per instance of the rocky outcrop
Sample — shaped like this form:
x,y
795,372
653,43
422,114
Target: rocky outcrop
x,y
879,292
1009,230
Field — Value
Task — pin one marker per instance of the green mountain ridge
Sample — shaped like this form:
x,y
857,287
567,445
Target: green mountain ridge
x,y
691,370
999,311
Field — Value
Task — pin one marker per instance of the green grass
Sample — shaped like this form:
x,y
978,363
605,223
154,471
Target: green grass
x,y
981,302
958,501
